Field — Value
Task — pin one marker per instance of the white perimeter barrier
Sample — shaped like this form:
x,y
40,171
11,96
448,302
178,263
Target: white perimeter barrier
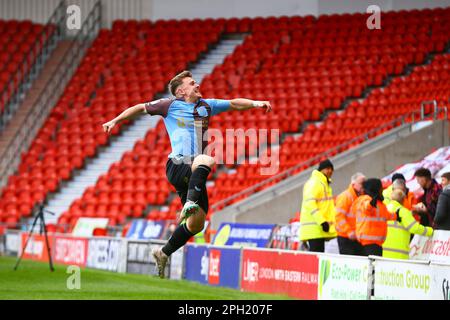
x,y
104,253
343,277
299,274
410,280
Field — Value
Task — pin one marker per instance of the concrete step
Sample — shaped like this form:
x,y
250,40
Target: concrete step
x,y
204,69
55,209
123,144
136,131
89,177
60,203
64,199
213,61
224,48
98,166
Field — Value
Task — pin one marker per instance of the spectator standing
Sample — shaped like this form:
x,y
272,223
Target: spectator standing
x,y
442,218
399,182
399,232
345,220
371,218
317,219
428,202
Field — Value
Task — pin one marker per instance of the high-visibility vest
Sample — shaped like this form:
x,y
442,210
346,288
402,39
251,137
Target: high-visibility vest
x,y
317,208
345,220
398,237
408,202
199,237
371,223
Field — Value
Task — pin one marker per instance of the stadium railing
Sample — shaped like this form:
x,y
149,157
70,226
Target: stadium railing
x,y
51,93
32,62
423,114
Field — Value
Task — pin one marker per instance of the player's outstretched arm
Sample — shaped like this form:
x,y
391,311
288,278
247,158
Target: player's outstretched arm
x,y
128,113
244,104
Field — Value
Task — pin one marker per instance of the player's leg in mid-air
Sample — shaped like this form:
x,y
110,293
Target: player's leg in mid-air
x,y
190,183
201,167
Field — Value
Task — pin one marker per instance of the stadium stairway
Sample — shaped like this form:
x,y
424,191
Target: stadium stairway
x,y
88,176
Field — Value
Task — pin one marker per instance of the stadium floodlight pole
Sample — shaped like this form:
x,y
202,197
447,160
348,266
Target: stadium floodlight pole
x,y
40,217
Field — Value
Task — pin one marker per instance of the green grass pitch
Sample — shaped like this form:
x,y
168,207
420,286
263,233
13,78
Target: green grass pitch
x,y
33,280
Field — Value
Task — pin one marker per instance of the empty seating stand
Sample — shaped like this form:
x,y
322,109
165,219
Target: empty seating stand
x,y
126,65
295,62
17,39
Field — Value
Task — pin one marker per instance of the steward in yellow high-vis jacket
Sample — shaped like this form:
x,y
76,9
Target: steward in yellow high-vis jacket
x,y
398,237
317,217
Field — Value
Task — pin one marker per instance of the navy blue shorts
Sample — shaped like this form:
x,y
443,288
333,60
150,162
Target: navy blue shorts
x,y
178,175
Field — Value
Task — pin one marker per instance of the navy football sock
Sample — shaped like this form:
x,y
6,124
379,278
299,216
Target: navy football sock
x,y
180,236
197,182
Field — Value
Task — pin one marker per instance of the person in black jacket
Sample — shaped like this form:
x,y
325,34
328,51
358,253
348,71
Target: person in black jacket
x,y
442,218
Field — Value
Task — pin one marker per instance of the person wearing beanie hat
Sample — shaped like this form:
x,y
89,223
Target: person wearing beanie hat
x,y
396,176
326,164
317,217
371,218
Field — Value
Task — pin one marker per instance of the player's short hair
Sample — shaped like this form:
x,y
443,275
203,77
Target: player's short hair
x,y
178,80
423,172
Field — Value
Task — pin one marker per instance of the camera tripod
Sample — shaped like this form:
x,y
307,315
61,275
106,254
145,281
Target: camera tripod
x,y
40,217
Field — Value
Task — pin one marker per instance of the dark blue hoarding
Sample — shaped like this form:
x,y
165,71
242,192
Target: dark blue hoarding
x,y
244,235
141,229
211,265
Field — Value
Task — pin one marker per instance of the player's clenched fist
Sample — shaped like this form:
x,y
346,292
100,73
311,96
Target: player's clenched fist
x,y
107,127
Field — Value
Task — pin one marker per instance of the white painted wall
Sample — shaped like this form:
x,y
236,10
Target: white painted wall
x,y
419,4
178,9
40,10
349,6
35,10
125,9
352,6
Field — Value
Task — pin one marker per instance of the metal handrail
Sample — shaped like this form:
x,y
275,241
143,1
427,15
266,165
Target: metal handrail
x,y
48,97
44,43
422,115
